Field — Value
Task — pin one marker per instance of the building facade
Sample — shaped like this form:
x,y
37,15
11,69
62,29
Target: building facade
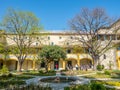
x,y
111,58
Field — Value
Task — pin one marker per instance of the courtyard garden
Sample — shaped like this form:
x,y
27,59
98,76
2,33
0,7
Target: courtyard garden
x,y
99,80
17,80
24,50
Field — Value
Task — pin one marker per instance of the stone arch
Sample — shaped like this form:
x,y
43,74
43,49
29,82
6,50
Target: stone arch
x,y
12,64
27,64
86,63
71,62
1,63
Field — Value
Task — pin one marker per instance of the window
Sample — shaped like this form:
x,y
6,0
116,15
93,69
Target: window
x,y
48,38
69,51
60,37
104,56
101,37
107,37
52,43
25,37
71,37
89,50
104,37
37,37
14,38
118,37
67,43
113,37
42,64
36,44
118,48
98,37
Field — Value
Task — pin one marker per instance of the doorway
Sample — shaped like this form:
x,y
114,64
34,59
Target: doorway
x,y
56,65
69,63
1,64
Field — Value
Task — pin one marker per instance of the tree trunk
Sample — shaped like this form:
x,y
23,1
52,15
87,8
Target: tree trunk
x,y
20,66
95,59
46,67
94,66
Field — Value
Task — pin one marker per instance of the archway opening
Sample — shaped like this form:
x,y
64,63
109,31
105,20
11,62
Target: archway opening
x,y
1,64
70,63
85,64
12,64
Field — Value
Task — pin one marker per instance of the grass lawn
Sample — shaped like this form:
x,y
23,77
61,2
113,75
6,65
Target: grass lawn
x,y
13,80
40,73
18,78
75,72
115,74
111,83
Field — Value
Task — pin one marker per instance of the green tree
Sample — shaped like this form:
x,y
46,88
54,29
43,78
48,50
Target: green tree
x,y
51,53
4,48
20,27
77,49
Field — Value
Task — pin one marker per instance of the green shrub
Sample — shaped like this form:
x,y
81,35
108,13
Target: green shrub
x,y
10,75
63,70
41,71
66,88
100,67
113,83
94,85
4,70
78,87
97,86
4,75
107,72
6,83
110,88
51,71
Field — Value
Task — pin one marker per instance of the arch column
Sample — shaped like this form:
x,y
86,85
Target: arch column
x,y
118,60
49,66
33,64
78,60
63,64
18,66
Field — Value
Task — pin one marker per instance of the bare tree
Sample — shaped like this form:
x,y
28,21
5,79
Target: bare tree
x,y
92,30
20,27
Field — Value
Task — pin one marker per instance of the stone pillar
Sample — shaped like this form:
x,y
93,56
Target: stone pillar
x,y
78,60
18,66
33,64
49,66
117,60
63,65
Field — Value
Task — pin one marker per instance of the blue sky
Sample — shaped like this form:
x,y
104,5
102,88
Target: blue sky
x,y
55,14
